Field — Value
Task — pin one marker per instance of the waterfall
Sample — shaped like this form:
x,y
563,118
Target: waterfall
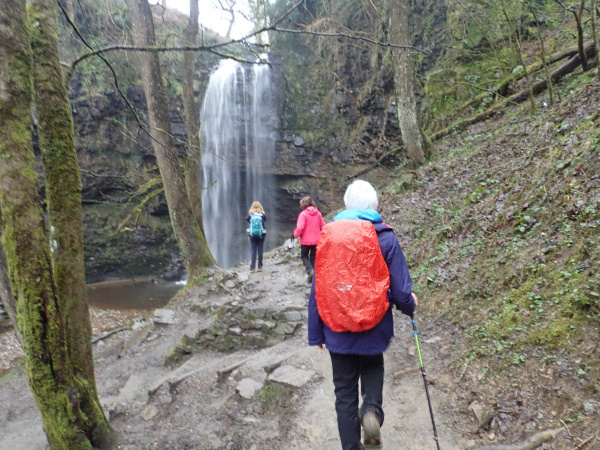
x,y
238,120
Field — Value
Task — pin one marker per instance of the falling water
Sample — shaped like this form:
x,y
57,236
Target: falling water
x,y
238,120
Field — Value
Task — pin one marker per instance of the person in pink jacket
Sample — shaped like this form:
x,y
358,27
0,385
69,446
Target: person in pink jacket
x,y
308,229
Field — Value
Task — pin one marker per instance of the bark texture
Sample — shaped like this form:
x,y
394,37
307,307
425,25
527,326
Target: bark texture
x,y
63,194
192,120
190,238
6,296
25,242
404,82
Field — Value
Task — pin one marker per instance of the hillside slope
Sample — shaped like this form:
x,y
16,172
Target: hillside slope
x,y
501,231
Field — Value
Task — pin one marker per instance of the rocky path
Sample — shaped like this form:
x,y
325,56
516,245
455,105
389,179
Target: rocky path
x,y
252,384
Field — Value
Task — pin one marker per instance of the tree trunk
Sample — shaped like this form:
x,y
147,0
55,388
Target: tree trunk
x,y
63,194
404,83
542,53
6,296
191,240
595,34
25,242
519,53
580,39
192,120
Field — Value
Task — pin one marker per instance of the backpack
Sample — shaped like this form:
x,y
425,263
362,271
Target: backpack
x,y
351,276
256,226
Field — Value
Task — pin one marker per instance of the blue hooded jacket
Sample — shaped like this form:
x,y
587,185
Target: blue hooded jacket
x,y
377,339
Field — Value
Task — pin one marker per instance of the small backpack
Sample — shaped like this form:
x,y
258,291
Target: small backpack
x,y
351,276
256,226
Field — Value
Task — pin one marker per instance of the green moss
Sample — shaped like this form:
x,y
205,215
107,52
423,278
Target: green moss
x,y
275,395
182,351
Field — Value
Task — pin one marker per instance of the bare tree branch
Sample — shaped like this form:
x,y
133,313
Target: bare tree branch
x,y
205,48
141,126
116,80
243,40
347,36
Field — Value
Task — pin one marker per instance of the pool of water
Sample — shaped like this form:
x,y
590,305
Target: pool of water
x,y
137,293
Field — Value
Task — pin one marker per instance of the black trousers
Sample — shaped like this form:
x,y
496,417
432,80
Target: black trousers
x,y
347,370
257,247
308,253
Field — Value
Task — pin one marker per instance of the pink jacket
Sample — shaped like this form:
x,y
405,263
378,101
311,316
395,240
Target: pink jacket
x,y
310,222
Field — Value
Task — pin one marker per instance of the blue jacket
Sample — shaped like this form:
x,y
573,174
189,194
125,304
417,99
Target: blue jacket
x,y
377,339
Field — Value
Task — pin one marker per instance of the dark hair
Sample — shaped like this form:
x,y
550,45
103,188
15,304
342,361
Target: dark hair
x,y
306,202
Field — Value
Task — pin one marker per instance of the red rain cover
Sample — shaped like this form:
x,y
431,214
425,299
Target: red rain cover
x,y
351,276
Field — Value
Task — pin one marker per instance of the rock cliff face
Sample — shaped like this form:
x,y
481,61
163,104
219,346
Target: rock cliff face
x,y
317,159
115,159
336,106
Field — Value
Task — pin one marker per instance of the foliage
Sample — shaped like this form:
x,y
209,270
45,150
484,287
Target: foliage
x,y
484,45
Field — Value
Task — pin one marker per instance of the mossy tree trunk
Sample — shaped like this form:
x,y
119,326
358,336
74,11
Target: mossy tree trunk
x,y
190,238
25,243
192,120
6,296
63,194
404,82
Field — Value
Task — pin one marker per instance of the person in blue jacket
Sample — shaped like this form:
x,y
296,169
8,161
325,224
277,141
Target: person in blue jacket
x,y
359,356
256,242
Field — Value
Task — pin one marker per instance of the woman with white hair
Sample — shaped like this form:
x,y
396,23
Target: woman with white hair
x,y
358,355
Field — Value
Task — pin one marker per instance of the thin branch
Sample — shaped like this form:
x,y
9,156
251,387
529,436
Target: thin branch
x,y
99,175
206,48
115,78
348,36
243,40
141,126
565,7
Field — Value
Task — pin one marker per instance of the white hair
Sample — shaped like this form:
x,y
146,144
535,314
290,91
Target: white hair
x,y
360,195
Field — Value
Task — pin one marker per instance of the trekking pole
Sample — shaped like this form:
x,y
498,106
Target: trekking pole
x,y
435,435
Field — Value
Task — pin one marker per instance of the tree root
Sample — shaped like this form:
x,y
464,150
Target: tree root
x,y
221,374
110,333
533,442
275,364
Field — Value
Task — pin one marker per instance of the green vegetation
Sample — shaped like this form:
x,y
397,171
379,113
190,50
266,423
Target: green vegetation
x,y
504,233
275,395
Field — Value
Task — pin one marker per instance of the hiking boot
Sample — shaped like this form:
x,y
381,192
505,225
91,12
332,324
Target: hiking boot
x,y
259,269
371,430
309,276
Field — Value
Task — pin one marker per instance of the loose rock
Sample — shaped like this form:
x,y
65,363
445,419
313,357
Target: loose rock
x,y
248,387
291,376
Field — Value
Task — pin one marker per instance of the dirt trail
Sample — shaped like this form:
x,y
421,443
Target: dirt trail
x,y
190,406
